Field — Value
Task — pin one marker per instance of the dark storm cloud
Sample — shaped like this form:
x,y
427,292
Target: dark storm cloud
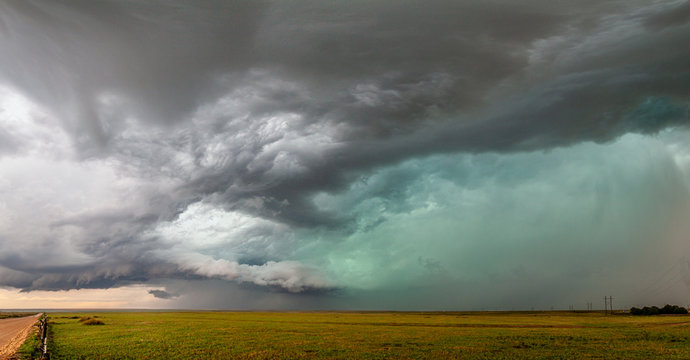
x,y
384,82
258,106
157,58
161,294
673,16
123,263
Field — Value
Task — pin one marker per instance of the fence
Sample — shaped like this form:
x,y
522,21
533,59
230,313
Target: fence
x,y
43,332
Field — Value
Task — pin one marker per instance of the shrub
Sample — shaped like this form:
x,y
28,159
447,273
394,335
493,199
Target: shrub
x,y
89,320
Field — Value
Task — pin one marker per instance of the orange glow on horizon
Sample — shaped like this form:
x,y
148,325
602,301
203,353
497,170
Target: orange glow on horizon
x,y
129,297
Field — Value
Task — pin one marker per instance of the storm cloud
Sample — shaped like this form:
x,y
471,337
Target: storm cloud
x,y
162,294
344,150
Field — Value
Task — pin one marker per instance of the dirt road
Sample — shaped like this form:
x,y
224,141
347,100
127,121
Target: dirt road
x,y
13,332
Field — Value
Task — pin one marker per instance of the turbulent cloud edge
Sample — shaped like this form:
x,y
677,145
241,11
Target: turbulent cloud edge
x,y
288,275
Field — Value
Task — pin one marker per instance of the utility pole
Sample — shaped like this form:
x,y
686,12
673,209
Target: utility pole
x,y
611,303
606,304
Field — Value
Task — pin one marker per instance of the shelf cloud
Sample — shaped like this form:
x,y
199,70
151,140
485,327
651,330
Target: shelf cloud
x,y
344,150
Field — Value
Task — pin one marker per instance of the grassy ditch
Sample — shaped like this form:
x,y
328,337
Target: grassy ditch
x,y
31,348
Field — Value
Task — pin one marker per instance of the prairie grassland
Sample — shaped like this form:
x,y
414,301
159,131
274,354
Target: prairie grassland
x,y
5,315
349,335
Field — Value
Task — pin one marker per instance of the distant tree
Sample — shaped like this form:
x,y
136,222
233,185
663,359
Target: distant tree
x,y
673,309
653,310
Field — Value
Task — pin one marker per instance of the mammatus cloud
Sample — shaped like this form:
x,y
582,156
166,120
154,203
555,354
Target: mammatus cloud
x,y
287,147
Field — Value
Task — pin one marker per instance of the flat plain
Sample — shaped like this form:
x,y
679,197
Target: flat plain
x,y
368,335
6,315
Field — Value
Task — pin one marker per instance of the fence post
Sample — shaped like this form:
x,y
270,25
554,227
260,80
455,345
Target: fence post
x,y
44,338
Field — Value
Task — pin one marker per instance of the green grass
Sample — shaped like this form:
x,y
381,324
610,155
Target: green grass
x,y
253,335
31,348
5,315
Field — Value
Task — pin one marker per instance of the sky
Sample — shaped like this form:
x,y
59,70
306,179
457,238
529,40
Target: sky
x,y
305,155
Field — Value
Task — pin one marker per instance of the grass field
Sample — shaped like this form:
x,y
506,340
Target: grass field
x,y
253,335
5,315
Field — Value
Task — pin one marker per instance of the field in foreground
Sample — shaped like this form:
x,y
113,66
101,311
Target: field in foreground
x,y
253,335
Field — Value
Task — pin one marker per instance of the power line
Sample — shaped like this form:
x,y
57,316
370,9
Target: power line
x,y
661,283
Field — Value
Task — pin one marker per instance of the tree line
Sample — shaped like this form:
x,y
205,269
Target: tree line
x,y
653,310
